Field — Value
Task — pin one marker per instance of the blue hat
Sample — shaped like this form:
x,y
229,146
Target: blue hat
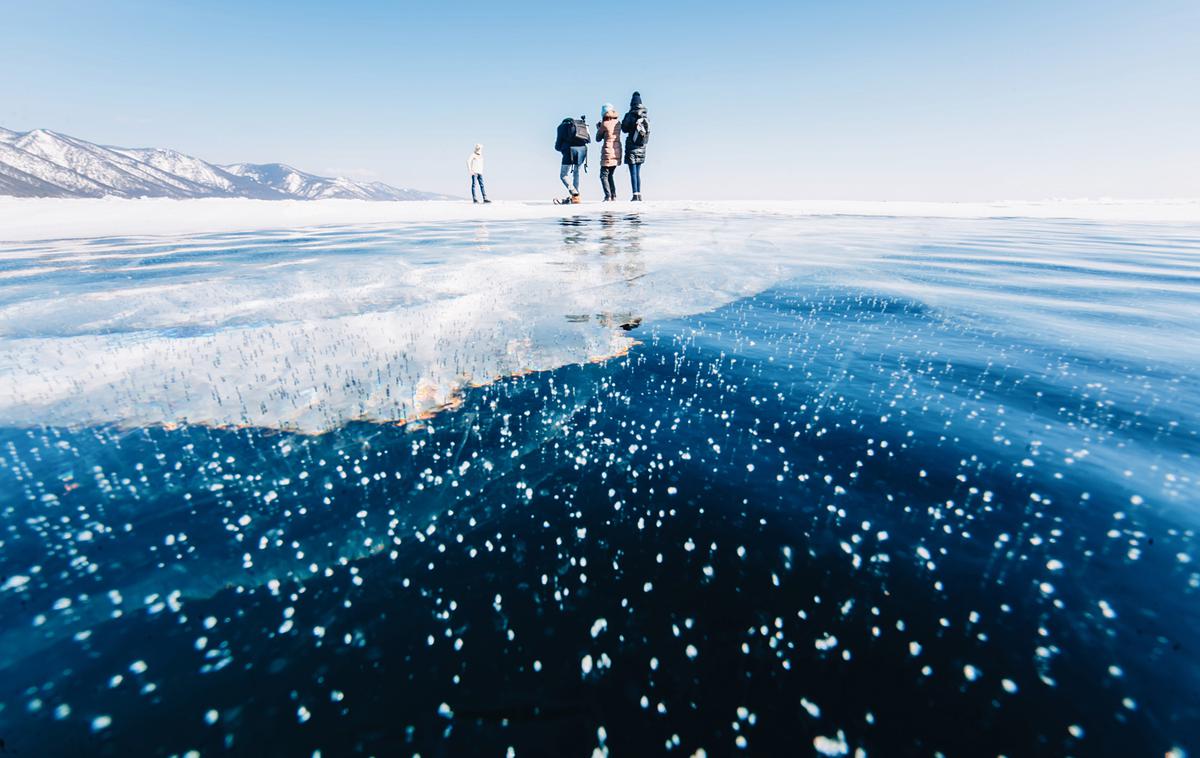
x,y
605,109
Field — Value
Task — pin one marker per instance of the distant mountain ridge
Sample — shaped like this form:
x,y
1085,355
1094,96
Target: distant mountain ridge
x,y
42,163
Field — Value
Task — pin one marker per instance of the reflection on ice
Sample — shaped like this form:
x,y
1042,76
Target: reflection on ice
x,y
309,333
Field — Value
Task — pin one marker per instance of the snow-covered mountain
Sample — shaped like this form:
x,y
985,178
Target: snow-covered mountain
x,y
295,183
42,163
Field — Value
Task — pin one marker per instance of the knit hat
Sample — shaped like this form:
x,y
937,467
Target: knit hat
x,y
606,108
479,148
636,100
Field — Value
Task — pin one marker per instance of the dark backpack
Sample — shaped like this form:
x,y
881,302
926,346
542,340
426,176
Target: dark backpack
x,y
641,132
579,133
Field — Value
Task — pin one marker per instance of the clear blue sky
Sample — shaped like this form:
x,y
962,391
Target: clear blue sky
x,y
806,100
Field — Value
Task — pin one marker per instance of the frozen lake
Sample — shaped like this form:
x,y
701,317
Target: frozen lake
x,y
648,482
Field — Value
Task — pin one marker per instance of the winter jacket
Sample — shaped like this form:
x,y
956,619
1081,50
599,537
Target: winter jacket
x,y
475,162
608,131
634,153
562,141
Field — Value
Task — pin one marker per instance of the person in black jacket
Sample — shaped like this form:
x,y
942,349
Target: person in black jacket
x,y
637,127
572,141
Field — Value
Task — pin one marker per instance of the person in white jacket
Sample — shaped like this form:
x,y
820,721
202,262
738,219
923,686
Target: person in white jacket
x,y
475,166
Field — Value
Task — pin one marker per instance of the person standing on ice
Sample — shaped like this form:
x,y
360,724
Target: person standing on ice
x,y
637,127
475,167
571,141
608,132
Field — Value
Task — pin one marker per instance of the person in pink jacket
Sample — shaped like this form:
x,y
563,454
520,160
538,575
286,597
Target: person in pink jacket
x,y
608,132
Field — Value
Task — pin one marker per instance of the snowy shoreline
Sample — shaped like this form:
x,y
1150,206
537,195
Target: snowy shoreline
x,y
30,219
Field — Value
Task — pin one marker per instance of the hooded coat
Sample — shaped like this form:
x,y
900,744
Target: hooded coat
x,y
635,154
475,162
608,132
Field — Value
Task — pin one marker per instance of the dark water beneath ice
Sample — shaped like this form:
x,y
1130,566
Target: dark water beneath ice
x,y
880,485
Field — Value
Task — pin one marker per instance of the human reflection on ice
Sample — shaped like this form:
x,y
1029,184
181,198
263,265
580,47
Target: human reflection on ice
x,y
388,326
617,252
621,244
482,238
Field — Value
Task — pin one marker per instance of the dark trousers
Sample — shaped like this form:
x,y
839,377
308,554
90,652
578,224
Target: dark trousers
x,y
482,191
608,183
635,177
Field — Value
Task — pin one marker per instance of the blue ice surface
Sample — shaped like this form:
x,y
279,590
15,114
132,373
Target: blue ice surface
x,y
639,484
